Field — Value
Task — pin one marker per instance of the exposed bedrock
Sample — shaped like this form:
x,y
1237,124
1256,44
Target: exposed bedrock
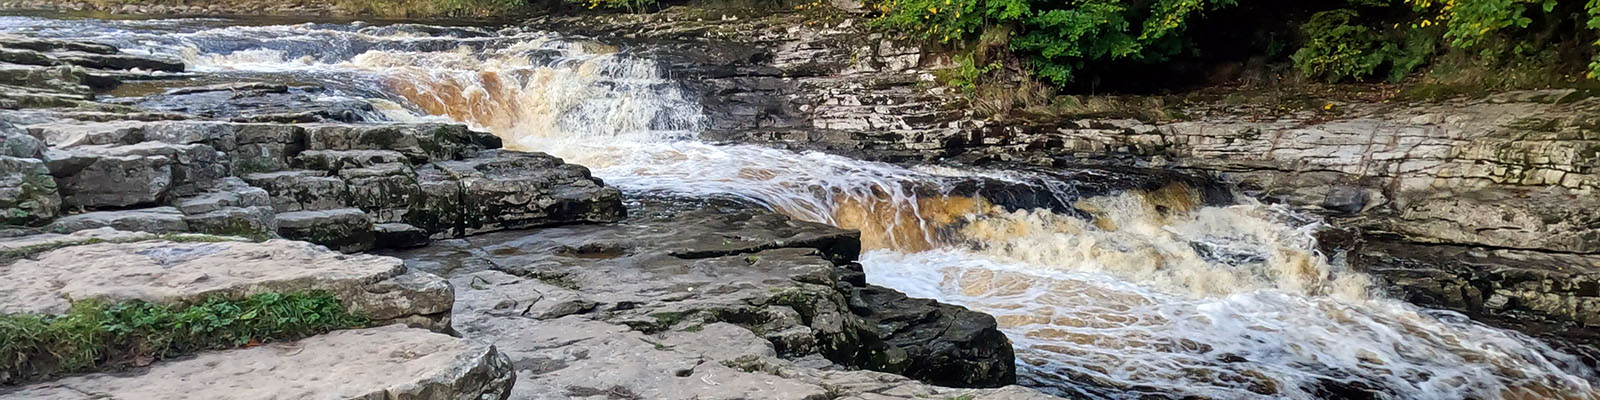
x,y
256,160
47,272
1514,172
656,299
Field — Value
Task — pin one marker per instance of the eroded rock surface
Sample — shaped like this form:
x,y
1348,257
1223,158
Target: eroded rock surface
x,y
1515,171
258,160
392,362
728,302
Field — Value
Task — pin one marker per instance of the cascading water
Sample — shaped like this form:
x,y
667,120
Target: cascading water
x,y
1151,294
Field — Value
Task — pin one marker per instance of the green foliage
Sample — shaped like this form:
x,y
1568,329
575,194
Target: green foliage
x,y
966,74
95,335
1058,37
626,5
1339,48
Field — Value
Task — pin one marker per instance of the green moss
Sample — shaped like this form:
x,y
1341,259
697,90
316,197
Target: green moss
x,y
666,320
94,335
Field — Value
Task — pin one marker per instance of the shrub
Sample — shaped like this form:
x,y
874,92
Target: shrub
x,y
1058,38
1336,50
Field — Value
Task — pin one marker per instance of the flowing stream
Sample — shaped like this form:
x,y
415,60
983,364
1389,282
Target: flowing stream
x,y
1150,294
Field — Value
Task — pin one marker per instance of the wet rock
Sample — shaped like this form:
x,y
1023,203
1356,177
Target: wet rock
x,y
117,61
346,229
261,102
1553,296
385,362
48,45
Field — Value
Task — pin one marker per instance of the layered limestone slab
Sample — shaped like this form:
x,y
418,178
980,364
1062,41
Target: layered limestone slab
x,y
139,267
391,362
617,308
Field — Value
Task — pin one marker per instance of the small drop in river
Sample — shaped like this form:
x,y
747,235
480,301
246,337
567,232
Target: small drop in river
x,y
1109,285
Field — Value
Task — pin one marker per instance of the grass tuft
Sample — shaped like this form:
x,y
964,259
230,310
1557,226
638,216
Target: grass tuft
x,y
95,335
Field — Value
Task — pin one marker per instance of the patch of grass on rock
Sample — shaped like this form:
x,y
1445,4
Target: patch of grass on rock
x,y
96,335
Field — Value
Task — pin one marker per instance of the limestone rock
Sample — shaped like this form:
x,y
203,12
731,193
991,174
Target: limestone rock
x,y
345,229
184,272
153,220
388,362
137,174
506,190
779,280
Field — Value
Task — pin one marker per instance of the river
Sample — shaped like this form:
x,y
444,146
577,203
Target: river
x,y
1152,293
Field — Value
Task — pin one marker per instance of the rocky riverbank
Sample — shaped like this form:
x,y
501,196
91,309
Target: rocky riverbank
x,y
1483,205
190,192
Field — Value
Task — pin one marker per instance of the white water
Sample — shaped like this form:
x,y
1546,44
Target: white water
x,y
1222,302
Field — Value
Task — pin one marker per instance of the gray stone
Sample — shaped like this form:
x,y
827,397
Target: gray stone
x,y
154,220
28,194
302,190
398,236
346,229
506,190
121,267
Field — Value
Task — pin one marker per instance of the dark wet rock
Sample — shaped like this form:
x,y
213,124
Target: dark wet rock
x,y
781,280
146,173
259,102
1553,296
398,236
49,45
118,61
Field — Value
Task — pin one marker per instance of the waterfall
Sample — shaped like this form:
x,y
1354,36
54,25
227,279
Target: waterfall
x,y
1146,293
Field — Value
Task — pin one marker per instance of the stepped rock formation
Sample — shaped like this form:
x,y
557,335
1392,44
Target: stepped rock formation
x,y
121,199
1513,174
706,304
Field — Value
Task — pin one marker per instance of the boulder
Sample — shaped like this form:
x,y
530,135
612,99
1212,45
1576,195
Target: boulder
x,y
302,190
391,362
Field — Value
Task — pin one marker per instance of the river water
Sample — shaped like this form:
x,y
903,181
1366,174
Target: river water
x,y
1149,294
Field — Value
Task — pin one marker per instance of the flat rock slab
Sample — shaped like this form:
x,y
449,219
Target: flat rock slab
x,y
184,272
391,362
706,304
